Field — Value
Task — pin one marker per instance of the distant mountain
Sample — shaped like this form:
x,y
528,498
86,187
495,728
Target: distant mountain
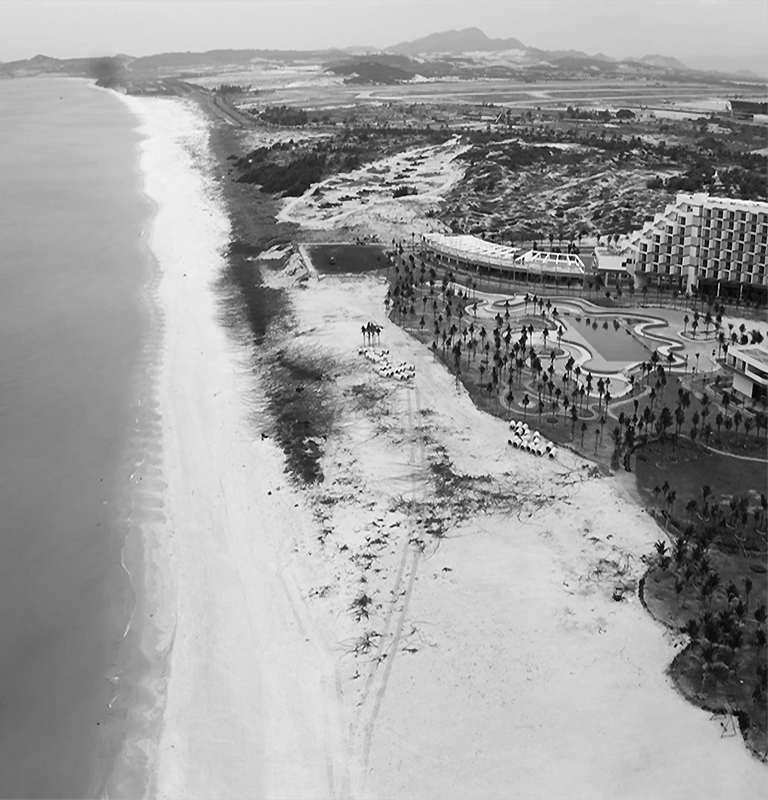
x,y
111,69
467,40
465,55
584,63
534,54
188,61
668,62
105,71
371,72
473,40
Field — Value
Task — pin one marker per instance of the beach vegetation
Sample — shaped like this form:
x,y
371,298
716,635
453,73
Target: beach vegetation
x,y
291,168
287,116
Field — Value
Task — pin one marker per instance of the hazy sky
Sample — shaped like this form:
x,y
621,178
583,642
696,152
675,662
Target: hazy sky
x,y
731,32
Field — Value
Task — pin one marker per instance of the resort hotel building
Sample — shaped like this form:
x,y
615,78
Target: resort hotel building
x,y
712,244
471,254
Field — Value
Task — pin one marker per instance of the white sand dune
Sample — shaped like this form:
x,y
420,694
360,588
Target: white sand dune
x,y
499,665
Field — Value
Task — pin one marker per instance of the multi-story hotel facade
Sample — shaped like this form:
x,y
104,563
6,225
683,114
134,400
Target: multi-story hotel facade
x,y
713,244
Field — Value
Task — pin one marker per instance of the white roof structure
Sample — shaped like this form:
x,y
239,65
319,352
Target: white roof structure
x,y
473,249
551,263
610,260
727,203
756,355
499,256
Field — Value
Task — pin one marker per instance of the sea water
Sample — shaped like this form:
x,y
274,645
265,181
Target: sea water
x,y
72,268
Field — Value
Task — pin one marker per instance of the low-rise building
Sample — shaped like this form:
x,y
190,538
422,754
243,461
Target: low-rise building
x,y
550,267
463,252
750,370
468,252
614,266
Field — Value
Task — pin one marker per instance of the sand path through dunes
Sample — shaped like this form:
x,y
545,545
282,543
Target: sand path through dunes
x,y
248,709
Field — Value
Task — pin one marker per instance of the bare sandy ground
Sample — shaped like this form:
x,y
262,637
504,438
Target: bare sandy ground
x,y
359,202
490,660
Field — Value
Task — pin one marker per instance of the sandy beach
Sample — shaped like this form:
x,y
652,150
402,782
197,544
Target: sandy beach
x,y
433,619
242,705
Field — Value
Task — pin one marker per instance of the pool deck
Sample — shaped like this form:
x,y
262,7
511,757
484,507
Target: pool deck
x,y
661,329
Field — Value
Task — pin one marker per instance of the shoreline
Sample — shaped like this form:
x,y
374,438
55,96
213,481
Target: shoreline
x,y
139,664
482,649
222,710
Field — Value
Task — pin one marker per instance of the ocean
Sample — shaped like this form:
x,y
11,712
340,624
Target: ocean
x,y
73,326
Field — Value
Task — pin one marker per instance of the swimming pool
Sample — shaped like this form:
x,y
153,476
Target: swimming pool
x,y
611,339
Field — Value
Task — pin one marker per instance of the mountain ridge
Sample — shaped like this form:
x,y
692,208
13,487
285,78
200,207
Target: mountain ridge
x,y
465,40
464,53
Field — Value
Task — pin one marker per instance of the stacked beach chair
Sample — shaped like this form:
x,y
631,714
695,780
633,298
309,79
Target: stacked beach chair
x,y
523,438
379,356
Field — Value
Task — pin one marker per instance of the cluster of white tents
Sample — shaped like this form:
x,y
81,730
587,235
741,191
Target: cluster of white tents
x,y
380,357
524,438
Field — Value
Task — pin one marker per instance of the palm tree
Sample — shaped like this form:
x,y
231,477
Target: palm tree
x,y
671,497
656,490
760,422
747,427
719,423
616,438
526,403
510,398
726,400
737,417
711,665
763,510
679,418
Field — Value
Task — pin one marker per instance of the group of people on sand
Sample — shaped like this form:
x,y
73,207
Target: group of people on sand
x,y
370,332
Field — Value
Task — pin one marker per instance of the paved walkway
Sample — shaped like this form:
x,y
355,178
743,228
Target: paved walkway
x,y
733,455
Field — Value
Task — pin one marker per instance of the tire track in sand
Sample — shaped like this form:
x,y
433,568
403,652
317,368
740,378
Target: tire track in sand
x,y
361,732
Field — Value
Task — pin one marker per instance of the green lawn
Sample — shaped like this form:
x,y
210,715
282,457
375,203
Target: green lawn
x,y
691,469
